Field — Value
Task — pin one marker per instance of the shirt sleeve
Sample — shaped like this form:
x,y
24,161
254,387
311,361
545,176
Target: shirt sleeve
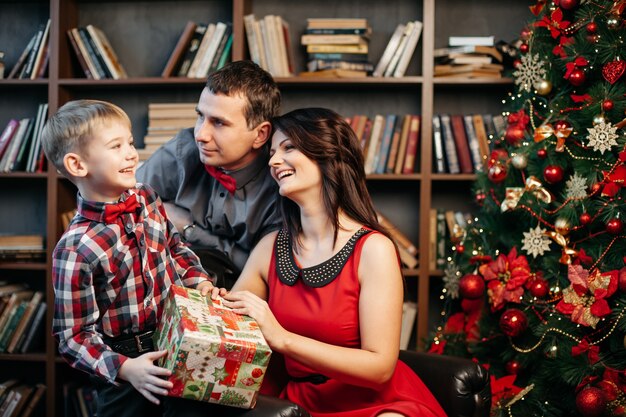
x,y
75,316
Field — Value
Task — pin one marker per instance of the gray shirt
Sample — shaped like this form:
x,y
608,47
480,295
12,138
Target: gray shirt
x,y
232,224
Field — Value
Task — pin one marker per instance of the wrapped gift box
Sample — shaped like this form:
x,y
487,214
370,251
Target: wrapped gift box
x,y
215,355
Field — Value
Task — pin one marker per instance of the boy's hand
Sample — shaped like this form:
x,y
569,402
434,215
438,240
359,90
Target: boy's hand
x,y
145,376
205,287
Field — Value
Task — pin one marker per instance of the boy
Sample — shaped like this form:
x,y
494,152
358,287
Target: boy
x,y
114,264
230,137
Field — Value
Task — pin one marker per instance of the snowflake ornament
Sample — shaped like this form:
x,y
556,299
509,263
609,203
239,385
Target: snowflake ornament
x,y
529,72
536,242
602,136
451,278
576,188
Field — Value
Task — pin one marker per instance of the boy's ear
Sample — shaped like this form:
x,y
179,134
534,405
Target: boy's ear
x,y
263,135
74,165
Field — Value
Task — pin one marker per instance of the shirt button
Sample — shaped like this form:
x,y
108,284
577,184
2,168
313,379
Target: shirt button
x,y
222,194
141,242
146,302
129,226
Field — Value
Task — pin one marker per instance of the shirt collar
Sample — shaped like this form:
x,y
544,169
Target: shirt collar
x,y
94,210
246,174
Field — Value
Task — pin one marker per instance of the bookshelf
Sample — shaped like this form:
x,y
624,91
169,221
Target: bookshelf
x,y
143,35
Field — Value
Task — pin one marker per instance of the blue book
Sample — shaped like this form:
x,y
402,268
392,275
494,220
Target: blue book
x,y
381,163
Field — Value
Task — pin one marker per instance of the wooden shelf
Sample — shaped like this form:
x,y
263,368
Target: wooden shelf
x,y
34,266
23,357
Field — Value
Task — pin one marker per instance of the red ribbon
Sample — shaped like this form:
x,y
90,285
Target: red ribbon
x,y
593,352
113,211
226,180
571,66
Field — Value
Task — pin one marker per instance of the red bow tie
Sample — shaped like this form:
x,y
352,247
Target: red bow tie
x,y
226,180
113,211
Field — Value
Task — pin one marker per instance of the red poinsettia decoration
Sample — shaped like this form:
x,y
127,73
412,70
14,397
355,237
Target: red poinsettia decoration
x,y
559,49
555,23
614,180
585,299
505,278
503,389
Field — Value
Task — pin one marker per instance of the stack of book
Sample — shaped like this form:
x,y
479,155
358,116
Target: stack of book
x,y
20,400
79,400
33,61
22,247
201,49
336,45
447,227
165,120
22,323
399,50
94,53
469,57
462,143
269,44
20,144
389,142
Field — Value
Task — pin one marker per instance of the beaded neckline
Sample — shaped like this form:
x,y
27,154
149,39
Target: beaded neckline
x,y
314,276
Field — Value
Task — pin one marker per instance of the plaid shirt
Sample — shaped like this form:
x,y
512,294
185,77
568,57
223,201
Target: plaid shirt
x,y
112,279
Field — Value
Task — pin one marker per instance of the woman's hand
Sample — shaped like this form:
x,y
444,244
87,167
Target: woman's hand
x,y
247,303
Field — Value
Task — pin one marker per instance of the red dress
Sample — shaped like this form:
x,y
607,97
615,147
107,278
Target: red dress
x,y
322,302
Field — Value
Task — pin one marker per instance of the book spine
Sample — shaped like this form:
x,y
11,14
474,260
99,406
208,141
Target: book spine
x,y
440,165
409,49
412,145
462,146
183,41
23,57
95,56
386,144
79,56
449,147
472,140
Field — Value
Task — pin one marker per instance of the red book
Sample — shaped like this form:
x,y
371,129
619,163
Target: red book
x,y
7,135
462,145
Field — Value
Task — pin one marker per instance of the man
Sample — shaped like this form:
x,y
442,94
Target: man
x,y
214,178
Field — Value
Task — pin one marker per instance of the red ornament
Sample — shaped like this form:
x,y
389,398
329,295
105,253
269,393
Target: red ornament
x,y
594,38
497,172
523,48
256,372
542,153
596,187
592,27
577,77
525,34
514,134
585,219
513,322
612,71
614,226
553,174
517,63
471,286
607,105
590,402
512,367
460,249
480,198
538,287
568,4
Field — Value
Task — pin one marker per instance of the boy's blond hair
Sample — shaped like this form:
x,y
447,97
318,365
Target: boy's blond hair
x,y
71,127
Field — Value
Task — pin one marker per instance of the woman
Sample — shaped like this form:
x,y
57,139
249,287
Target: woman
x,y
331,278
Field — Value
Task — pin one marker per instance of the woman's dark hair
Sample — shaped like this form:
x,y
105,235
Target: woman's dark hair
x,y
327,139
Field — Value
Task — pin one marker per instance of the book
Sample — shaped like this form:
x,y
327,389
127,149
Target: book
x,y
462,146
202,50
409,49
30,61
10,288
409,313
7,135
352,49
82,47
6,162
469,59
468,49
19,163
472,141
397,234
94,54
107,52
411,145
26,319
208,56
385,145
34,337
337,73
14,301
439,159
338,56
225,44
171,110
14,316
408,29
449,145
481,135
389,51
174,122
315,39
5,388
40,53
393,148
336,23
404,135
21,241
440,259
432,239
17,401
471,41
253,44
192,49
173,63
365,31
374,143
225,57
35,148
21,60
79,55
320,65
34,400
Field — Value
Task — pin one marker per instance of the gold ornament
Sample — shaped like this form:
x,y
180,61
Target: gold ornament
x,y
562,226
519,161
543,87
599,119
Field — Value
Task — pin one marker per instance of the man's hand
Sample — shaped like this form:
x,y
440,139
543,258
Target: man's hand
x,y
205,287
178,216
145,376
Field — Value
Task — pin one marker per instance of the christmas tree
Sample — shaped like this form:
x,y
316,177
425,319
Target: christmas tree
x,y
535,288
